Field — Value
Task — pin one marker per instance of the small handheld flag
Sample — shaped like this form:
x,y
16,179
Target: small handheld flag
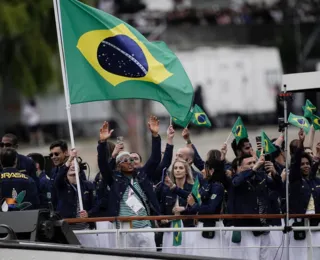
x,y
239,131
195,190
177,235
197,116
309,109
299,121
200,118
267,145
315,122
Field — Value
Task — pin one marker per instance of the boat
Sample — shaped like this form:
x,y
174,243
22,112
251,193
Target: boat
x,y
42,234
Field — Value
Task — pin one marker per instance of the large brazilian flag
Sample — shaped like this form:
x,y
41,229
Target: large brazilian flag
x,y
107,59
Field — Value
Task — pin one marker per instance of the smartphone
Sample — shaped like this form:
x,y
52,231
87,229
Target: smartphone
x,y
119,139
268,157
258,139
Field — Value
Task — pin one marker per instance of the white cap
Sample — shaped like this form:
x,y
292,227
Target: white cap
x,y
120,155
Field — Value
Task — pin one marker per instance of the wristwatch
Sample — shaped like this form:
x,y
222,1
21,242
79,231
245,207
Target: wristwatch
x,y
188,142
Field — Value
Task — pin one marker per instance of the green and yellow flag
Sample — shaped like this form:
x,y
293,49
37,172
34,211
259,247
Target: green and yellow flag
x,y
107,59
239,131
197,116
299,121
309,109
315,122
177,235
184,123
268,146
200,118
195,190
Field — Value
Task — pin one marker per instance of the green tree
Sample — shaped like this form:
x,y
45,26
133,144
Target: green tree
x,y
28,54
27,44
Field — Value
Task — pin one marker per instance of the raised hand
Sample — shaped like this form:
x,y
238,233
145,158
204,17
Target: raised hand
x,y
224,150
72,154
170,134
105,132
261,160
301,135
117,149
186,135
154,125
259,163
270,168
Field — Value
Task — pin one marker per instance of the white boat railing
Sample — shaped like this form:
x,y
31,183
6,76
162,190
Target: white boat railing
x,y
118,230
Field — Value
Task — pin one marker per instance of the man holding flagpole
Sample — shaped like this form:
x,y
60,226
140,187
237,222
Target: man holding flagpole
x,y
104,58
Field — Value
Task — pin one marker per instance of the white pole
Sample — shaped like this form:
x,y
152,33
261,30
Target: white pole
x,y
56,5
285,114
226,142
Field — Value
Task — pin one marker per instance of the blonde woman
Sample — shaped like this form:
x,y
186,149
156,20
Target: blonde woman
x,y
211,193
180,176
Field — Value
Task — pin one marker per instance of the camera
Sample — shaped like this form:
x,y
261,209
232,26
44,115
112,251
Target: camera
x,y
82,165
281,124
268,157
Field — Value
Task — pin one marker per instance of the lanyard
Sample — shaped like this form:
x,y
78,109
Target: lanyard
x,y
131,192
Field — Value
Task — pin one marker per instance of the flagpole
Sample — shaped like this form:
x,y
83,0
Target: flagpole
x,y
170,120
226,142
285,114
56,6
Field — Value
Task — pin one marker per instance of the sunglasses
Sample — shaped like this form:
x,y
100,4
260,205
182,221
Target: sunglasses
x,y
5,145
126,160
54,154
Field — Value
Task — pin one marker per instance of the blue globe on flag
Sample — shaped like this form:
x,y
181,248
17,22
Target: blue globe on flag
x,y
201,119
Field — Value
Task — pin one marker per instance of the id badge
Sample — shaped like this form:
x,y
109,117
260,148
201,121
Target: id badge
x,y
134,204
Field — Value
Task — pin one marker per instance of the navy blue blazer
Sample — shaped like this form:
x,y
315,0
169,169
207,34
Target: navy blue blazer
x,y
118,183
247,187
67,203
